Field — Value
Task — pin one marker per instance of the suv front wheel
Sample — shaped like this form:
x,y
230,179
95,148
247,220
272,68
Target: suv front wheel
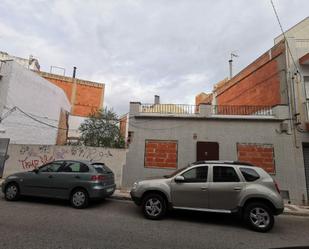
x,y
154,206
259,217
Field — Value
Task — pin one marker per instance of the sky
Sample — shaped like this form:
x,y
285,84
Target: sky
x,y
141,48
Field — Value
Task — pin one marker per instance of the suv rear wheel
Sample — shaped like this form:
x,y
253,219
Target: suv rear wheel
x,y
154,206
259,217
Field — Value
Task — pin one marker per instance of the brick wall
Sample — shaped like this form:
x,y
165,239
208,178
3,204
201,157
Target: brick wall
x,y
261,155
89,95
257,84
160,154
203,98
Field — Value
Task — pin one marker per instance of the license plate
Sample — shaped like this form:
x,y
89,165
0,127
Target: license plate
x,y
109,190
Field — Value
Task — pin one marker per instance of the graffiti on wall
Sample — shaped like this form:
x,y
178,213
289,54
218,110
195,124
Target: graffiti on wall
x,y
31,157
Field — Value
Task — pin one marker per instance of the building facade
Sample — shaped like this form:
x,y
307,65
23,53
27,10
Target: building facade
x,y
279,76
85,97
32,110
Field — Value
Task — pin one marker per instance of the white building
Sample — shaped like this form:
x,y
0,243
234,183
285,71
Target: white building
x,y
30,63
32,110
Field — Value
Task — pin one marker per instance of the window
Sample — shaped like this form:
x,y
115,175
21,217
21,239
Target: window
x,y
250,175
306,81
51,167
198,174
101,168
75,167
224,174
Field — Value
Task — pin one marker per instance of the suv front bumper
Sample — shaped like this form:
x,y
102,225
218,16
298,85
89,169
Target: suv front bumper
x,y
135,199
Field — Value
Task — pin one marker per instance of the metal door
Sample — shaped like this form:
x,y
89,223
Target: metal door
x,y
207,151
4,143
306,164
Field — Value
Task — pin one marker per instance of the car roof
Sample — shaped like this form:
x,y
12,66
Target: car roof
x,y
239,163
88,162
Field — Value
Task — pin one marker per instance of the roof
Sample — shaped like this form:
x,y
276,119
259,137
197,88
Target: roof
x,y
223,162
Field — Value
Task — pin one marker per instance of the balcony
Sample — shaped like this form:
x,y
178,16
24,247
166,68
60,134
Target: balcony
x,y
208,111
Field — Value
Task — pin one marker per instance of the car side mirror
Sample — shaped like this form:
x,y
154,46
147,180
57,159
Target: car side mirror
x,y
36,171
179,179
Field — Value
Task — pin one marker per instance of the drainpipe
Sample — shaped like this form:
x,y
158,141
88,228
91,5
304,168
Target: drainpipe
x,y
73,95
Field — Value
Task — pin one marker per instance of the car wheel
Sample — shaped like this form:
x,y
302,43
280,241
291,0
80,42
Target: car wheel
x,y
11,192
79,198
259,217
154,206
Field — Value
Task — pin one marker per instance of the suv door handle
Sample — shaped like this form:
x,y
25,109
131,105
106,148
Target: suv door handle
x,y
237,188
203,188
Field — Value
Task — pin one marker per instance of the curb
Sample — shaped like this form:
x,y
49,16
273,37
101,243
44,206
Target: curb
x,y
286,212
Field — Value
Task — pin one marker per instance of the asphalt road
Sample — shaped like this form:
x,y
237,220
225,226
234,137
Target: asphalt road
x,y
41,223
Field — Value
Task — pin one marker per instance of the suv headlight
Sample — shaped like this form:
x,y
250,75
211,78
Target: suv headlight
x,y
135,184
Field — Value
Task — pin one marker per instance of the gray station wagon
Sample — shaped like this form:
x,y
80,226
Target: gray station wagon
x,y
213,186
77,181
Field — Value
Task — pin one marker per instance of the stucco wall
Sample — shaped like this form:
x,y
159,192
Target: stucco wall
x,y
35,96
227,132
27,157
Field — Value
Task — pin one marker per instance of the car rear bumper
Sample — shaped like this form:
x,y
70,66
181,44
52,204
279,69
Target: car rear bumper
x,y
278,211
100,192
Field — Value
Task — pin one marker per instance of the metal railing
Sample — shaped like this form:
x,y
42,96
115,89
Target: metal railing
x,y
169,108
242,110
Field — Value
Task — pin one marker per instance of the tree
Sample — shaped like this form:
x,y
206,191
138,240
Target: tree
x,y
101,130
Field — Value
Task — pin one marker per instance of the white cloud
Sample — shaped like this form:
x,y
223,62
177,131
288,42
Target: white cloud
x,y
140,48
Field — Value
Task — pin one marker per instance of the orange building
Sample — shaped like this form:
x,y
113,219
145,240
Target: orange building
x,y
85,96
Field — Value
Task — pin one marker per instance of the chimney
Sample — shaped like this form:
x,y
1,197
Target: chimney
x,y
156,99
74,72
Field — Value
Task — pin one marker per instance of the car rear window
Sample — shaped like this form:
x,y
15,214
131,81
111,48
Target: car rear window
x,y
250,175
101,168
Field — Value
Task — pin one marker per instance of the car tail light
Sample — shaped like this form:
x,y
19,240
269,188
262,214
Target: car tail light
x,y
277,187
97,178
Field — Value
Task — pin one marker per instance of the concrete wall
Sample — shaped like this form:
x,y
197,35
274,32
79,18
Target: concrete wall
x,y
28,157
35,96
228,132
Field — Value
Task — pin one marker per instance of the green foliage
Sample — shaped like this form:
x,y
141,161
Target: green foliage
x,y
101,130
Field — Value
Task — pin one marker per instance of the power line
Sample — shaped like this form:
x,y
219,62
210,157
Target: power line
x,y
283,33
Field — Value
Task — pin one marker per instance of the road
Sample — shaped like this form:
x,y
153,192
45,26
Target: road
x,y
41,223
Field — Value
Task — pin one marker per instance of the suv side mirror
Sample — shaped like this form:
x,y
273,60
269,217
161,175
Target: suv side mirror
x,y
179,179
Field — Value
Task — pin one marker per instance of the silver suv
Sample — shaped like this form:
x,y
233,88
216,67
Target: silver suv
x,y
213,186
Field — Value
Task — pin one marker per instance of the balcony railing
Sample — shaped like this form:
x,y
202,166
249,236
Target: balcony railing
x,y
242,110
169,109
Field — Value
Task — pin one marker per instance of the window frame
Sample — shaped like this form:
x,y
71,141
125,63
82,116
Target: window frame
x,y
68,163
240,168
240,177
191,168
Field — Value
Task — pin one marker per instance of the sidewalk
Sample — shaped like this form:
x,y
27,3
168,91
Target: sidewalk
x,y
289,209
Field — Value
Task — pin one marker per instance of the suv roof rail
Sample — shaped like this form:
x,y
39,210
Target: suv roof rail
x,y
224,162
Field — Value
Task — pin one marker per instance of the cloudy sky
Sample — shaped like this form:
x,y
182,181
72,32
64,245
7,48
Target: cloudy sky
x,y
139,48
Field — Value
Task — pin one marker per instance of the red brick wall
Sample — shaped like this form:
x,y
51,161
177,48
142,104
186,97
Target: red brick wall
x,y
257,84
261,155
89,95
160,154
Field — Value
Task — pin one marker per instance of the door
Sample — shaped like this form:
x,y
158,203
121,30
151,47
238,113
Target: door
x,y
225,188
193,191
306,164
72,174
207,151
4,143
40,183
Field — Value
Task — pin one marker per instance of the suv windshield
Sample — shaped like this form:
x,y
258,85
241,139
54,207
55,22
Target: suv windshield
x,y
101,168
